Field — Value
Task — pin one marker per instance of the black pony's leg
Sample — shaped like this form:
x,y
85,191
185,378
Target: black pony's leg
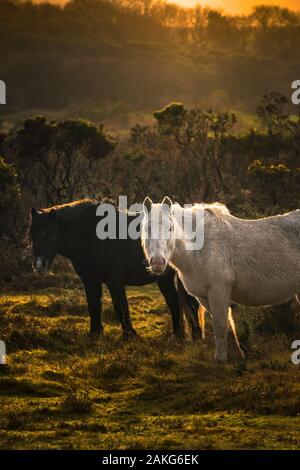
x,y
193,304
190,306
119,299
93,292
168,289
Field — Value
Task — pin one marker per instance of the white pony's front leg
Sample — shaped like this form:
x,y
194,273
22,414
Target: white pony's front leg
x,y
219,307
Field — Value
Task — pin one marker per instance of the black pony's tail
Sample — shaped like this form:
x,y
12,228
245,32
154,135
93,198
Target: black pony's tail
x,y
192,313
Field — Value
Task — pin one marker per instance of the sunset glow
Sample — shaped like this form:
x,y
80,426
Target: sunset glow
x,y
241,6
231,6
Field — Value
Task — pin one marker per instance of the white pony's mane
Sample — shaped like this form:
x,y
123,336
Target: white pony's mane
x,y
216,209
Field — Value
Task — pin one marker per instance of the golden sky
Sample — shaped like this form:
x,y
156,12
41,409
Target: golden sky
x,y
232,6
243,6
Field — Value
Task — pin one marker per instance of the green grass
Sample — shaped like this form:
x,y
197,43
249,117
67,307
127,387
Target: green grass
x,y
58,391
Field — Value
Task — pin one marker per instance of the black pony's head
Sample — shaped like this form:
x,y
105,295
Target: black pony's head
x,y
44,238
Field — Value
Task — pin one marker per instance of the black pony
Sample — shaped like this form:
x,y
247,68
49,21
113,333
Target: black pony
x,y
70,230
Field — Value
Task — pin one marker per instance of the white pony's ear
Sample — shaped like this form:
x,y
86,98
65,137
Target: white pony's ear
x,y
167,201
147,204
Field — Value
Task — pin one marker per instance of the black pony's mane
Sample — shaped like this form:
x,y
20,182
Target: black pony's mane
x,y
72,211
76,214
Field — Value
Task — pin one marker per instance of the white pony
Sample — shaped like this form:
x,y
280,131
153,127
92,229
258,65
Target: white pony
x,y
251,262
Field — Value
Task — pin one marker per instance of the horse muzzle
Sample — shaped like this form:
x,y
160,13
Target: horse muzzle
x,y
158,264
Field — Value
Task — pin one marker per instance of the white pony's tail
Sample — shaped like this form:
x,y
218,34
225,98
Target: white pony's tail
x,y
201,316
231,322
238,355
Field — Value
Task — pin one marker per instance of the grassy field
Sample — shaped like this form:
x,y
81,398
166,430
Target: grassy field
x,y
60,392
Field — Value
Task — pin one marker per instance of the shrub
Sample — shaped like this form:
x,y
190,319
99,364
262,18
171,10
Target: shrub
x,y
10,198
